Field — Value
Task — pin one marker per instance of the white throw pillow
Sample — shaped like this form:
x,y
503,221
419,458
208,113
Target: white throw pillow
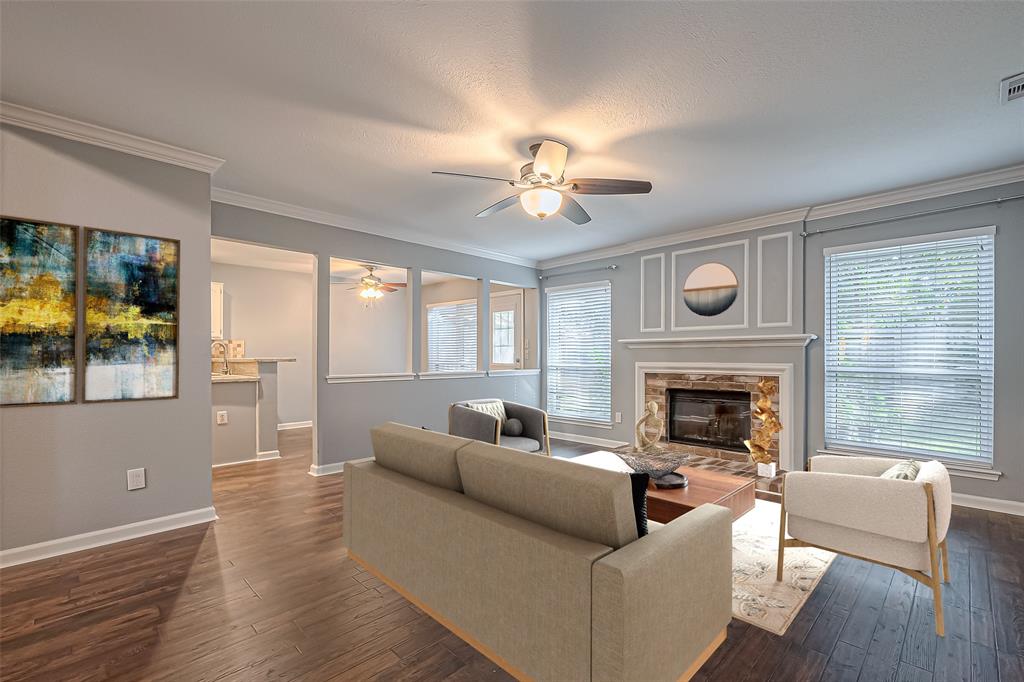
x,y
495,408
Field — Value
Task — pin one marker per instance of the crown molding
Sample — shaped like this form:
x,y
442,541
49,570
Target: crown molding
x,y
930,190
232,198
70,129
756,223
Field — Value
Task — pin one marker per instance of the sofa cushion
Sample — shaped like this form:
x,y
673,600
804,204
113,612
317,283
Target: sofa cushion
x,y
427,456
609,461
520,443
903,471
581,501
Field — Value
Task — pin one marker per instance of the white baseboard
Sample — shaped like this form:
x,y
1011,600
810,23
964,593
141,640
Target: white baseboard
x,y
589,440
268,454
989,504
326,469
107,536
284,426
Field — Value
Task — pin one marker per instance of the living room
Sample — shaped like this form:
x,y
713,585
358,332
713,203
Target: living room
x,y
636,341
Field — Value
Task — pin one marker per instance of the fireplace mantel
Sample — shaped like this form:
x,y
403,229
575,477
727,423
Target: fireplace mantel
x,y
760,341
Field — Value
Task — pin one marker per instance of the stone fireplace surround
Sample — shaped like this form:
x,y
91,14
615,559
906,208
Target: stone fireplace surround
x,y
653,379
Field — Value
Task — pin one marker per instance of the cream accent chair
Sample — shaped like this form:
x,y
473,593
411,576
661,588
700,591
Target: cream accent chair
x,y
840,504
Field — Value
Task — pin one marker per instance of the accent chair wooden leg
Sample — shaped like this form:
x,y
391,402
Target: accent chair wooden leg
x,y
782,537
945,560
933,550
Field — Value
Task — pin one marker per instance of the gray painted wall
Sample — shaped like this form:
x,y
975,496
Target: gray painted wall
x,y
345,412
367,340
272,311
236,440
807,301
62,467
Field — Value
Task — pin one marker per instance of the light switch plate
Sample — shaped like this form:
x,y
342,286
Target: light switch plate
x,y
618,417
136,479
222,416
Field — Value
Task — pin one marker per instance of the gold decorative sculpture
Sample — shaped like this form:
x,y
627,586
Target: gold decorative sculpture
x,y
653,421
761,438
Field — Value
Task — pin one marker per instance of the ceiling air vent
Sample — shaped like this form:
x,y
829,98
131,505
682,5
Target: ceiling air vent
x,y
1011,88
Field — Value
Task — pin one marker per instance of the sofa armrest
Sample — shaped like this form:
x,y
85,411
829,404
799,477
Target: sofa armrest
x,y
660,601
888,507
532,418
473,424
852,464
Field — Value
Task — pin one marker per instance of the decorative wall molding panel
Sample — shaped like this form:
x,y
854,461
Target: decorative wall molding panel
x,y
748,341
656,260
70,129
788,322
744,300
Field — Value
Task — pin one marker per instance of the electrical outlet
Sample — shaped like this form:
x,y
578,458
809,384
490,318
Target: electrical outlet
x,y
618,417
136,479
222,416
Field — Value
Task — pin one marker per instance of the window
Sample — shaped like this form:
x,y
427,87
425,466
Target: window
x,y
579,352
503,331
451,336
909,331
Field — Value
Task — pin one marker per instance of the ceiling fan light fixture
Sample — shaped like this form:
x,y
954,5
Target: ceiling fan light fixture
x,y
371,293
541,202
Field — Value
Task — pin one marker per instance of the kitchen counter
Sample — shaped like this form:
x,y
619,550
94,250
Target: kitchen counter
x,y
232,378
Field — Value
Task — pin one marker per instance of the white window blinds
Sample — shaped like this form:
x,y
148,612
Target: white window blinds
x,y
579,352
909,347
451,337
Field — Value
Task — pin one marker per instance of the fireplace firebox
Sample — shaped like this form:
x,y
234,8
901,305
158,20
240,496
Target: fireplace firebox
x,y
711,419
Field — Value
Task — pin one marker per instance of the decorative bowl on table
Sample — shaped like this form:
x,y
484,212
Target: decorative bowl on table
x,y
660,466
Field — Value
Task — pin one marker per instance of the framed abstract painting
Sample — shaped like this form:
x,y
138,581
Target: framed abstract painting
x,y
131,316
38,274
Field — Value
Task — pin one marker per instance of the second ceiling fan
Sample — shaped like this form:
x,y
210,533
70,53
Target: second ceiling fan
x,y
545,191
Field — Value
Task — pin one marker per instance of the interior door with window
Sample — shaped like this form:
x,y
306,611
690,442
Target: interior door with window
x,y
507,330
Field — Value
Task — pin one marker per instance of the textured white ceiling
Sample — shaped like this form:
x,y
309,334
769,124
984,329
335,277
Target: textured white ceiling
x,y
731,109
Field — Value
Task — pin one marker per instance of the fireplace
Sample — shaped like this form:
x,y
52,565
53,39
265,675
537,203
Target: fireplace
x,y
711,419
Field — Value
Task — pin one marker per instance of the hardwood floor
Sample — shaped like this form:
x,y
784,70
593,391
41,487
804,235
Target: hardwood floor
x,y
267,592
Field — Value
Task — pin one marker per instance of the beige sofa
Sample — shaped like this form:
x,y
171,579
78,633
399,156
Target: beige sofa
x,y
535,561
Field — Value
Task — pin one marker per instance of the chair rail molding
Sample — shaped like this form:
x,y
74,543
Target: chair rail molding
x,y
784,372
746,341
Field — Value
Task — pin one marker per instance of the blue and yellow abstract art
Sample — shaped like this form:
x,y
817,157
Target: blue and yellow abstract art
x,y
37,312
131,316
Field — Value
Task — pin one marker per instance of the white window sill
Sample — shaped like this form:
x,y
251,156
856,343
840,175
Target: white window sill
x,y
512,372
954,468
451,375
580,422
364,378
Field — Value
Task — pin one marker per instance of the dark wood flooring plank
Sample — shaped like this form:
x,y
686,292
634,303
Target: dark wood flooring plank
x,y
883,655
844,664
984,665
980,597
920,643
953,652
800,664
861,624
910,673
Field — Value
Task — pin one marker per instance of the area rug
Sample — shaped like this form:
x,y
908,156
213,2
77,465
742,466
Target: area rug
x,y
756,596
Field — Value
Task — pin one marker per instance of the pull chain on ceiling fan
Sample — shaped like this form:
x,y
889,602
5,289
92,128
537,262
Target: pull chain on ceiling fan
x,y
545,190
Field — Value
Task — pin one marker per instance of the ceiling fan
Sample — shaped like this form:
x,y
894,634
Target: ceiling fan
x,y
545,189
371,287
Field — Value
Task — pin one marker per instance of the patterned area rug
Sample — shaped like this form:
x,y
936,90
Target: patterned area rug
x,y
756,596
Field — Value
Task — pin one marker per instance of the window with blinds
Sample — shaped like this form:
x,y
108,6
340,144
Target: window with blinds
x,y
909,328
579,352
451,336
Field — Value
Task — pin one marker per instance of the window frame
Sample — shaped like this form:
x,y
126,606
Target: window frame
x,y
570,419
962,464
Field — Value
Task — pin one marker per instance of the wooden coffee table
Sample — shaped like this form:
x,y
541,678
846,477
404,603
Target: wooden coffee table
x,y
706,487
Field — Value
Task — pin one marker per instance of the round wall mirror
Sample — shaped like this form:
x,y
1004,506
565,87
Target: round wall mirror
x,y
710,289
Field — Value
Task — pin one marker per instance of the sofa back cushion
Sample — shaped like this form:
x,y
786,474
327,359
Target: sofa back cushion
x,y
427,456
584,502
942,493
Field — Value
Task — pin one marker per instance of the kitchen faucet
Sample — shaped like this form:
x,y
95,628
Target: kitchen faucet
x,y
225,369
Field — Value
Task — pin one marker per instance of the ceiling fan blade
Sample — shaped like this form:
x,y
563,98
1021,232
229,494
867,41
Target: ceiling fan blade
x,y
478,177
353,288
572,210
400,285
550,159
494,208
385,287
608,186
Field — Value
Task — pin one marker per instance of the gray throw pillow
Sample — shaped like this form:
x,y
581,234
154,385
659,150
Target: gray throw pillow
x,y
904,471
512,427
